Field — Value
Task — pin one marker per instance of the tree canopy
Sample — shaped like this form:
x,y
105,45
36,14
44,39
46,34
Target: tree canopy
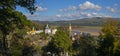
x,y
11,19
108,43
12,4
60,43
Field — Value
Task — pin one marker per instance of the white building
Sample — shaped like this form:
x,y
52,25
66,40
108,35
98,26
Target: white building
x,y
47,30
54,31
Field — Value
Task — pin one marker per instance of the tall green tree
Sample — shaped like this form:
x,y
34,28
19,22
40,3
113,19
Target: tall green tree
x,y
9,19
106,41
110,26
85,46
106,45
116,49
60,43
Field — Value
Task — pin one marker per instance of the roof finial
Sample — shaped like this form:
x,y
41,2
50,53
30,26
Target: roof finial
x,y
47,26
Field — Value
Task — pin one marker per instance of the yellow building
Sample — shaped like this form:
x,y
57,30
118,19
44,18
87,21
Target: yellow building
x,y
33,31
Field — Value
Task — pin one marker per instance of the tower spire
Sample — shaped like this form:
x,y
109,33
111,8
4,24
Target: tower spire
x,y
70,29
33,29
47,26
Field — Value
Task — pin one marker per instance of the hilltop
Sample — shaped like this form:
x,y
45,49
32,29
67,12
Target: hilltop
x,y
94,21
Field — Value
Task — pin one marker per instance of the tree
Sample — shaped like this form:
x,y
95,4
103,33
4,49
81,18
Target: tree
x,y
85,46
12,4
106,43
110,26
116,49
59,43
9,18
106,46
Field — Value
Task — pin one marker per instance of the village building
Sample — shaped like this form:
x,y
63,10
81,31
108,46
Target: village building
x,y
46,30
75,35
49,30
33,31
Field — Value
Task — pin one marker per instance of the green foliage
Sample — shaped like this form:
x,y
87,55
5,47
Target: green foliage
x,y
38,49
116,49
29,4
108,42
61,41
106,45
85,46
110,27
16,49
44,36
10,19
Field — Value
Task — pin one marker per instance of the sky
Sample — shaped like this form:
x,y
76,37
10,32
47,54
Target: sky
x,y
55,10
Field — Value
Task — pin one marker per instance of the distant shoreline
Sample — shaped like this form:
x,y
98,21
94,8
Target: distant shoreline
x,y
93,30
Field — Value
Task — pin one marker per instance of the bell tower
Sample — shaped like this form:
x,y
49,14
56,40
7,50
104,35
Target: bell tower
x,y
70,30
33,29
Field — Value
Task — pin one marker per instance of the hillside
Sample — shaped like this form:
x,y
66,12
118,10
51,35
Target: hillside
x,y
95,21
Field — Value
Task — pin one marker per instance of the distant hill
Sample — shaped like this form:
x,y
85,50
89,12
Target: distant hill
x,y
95,21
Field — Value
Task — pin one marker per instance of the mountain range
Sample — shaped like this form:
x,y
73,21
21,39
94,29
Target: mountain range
x,y
94,21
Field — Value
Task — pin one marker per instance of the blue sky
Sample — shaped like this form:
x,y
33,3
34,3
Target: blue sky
x,y
53,10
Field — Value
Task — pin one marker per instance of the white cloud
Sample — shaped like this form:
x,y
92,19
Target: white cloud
x,y
70,8
115,4
84,6
68,16
110,9
89,5
58,15
89,15
78,15
62,10
94,13
39,8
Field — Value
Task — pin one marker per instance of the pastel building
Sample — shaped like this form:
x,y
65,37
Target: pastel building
x,y
47,30
33,31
